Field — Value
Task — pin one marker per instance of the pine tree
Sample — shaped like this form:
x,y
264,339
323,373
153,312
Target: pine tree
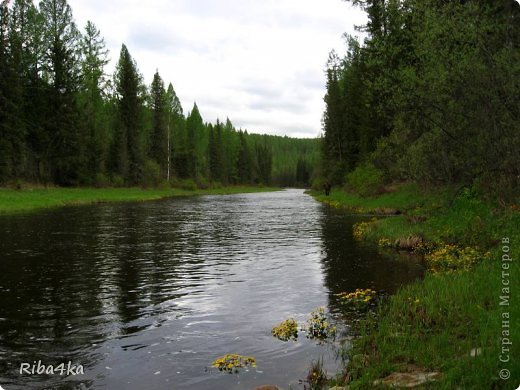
x,y
6,149
334,146
194,133
61,68
176,133
245,160
159,142
94,58
264,158
215,151
28,48
128,143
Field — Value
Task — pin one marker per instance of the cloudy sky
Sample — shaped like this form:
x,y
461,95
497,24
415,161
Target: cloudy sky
x,y
260,63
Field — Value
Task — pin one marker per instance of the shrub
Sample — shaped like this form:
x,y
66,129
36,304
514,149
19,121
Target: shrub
x,y
101,180
187,184
366,180
117,181
203,183
151,174
318,184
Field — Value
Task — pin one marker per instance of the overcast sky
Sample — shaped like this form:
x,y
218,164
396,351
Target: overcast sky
x,y
260,63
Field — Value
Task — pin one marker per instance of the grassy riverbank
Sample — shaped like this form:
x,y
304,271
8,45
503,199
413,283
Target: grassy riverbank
x,y
452,322
12,201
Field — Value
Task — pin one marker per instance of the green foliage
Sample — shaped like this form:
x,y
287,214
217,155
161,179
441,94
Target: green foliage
x,y
318,183
128,142
187,184
117,181
151,174
159,148
430,95
101,180
366,180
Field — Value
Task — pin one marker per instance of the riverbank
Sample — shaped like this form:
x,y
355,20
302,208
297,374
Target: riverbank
x,y
32,199
457,325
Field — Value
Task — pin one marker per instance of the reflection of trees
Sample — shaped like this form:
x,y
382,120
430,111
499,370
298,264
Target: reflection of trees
x,y
72,278
349,265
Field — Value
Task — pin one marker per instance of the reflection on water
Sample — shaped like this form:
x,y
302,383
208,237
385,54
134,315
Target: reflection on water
x,y
146,295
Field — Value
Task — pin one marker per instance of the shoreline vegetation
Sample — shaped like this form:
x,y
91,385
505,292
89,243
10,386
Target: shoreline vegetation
x,y
454,328
38,198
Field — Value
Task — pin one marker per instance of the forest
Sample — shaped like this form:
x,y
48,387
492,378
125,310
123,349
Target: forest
x,y
430,96
64,121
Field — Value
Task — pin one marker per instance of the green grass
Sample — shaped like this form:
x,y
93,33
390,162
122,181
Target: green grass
x,y
408,196
13,201
435,323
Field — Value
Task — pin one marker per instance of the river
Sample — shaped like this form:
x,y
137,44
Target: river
x,y
146,295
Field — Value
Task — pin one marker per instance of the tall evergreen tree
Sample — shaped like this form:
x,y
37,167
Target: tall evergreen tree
x,y
176,133
334,143
6,147
194,133
61,68
128,142
264,163
94,58
28,46
159,141
245,164
215,151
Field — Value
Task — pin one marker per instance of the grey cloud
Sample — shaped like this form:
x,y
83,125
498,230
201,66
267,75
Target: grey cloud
x,y
295,107
160,39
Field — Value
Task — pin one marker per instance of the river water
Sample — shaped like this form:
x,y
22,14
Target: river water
x,y
146,295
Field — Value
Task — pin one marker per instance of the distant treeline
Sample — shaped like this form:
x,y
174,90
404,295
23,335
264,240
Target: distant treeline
x,y
432,96
64,121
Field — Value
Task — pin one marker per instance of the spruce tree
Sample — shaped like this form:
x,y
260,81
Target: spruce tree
x,y
128,142
159,141
61,68
94,58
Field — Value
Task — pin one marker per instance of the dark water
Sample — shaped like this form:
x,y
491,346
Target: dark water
x,y
147,295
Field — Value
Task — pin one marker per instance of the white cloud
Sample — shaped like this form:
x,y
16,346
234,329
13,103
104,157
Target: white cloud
x,y
259,63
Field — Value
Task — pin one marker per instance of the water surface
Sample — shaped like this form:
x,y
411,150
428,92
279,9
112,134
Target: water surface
x,y
146,295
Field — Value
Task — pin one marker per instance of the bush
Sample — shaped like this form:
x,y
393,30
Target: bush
x,y
366,180
101,180
187,184
151,174
318,184
117,181
203,183
164,185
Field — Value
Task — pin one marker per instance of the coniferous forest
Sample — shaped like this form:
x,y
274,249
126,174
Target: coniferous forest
x,y
430,96
64,121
